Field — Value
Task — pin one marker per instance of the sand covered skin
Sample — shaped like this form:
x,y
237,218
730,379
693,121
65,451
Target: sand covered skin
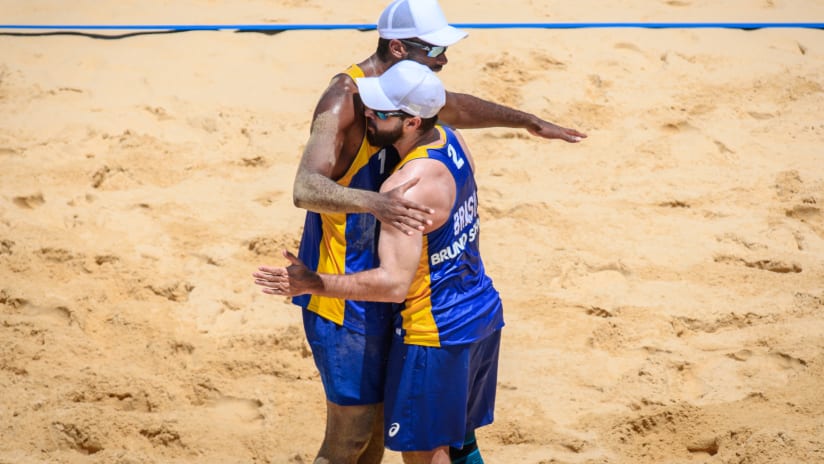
x,y
663,280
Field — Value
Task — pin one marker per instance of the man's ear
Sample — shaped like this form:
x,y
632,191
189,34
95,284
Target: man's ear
x,y
413,123
397,49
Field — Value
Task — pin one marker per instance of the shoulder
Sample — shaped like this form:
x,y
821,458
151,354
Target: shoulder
x,y
343,82
458,137
341,87
339,101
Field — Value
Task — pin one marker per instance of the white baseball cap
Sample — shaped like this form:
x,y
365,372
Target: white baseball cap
x,y
407,86
407,19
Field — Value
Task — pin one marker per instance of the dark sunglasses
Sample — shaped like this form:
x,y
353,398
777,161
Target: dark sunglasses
x,y
432,51
384,115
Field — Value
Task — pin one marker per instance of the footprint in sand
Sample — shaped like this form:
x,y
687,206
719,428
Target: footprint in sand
x,y
61,314
733,320
254,162
770,368
158,111
163,435
268,246
788,184
11,302
771,265
53,312
674,204
599,312
6,247
722,147
678,417
204,123
704,446
810,214
176,291
78,437
678,126
760,116
29,201
116,178
117,399
244,410
58,255
611,336
267,198
803,200
739,374
539,211
627,46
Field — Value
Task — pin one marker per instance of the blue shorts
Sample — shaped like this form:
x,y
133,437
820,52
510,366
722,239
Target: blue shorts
x,y
435,396
352,366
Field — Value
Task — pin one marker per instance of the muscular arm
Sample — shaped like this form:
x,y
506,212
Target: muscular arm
x,y
468,112
314,188
399,253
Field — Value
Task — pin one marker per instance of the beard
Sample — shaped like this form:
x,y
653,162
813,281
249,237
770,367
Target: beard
x,y
383,138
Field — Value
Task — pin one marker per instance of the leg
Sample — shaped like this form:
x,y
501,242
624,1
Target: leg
x,y
469,454
352,367
374,449
439,455
425,401
481,404
348,433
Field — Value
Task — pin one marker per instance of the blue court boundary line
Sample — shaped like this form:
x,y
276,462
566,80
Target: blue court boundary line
x,y
368,27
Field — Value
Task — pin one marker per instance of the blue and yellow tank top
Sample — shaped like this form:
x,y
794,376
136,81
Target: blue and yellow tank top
x,y
341,243
451,300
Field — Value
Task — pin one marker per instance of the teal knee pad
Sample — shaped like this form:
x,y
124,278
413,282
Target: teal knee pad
x,y
469,454
472,458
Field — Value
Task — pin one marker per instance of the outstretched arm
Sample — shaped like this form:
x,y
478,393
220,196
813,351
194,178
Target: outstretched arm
x,y
469,112
314,188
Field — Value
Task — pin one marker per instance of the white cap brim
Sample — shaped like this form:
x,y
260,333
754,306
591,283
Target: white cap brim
x,y
444,37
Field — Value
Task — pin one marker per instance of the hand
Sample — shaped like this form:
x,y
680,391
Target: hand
x,y
549,130
294,280
407,216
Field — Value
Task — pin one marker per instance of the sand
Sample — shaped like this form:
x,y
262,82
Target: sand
x,y
663,280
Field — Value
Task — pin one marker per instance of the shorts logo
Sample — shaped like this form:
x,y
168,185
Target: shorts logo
x,y
394,428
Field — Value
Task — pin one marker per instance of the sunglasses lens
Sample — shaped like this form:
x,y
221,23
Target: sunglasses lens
x,y
432,51
436,51
381,115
